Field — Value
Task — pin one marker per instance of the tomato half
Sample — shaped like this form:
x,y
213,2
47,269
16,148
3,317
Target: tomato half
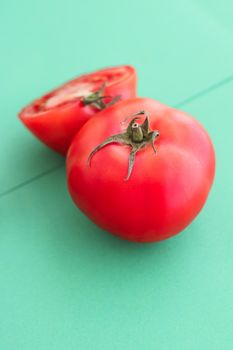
x,y
143,182
56,117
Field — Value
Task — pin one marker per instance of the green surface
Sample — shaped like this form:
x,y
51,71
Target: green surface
x,y
178,48
64,283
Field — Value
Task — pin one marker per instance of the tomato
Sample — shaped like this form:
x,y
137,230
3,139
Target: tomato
x,y
141,170
56,117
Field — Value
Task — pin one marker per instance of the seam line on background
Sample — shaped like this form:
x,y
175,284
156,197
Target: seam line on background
x,y
205,91
177,105
32,179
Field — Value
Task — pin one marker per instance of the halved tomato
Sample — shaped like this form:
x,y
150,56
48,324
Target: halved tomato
x,y
56,117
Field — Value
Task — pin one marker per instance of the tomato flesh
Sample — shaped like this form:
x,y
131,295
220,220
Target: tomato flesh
x,y
69,93
164,193
56,117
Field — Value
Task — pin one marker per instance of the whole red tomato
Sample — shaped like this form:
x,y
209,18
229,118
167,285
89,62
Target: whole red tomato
x,y
141,170
56,117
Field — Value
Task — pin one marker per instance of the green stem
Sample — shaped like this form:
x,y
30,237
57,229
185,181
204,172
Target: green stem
x,y
97,99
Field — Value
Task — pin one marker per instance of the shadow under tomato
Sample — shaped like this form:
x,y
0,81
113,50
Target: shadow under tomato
x,y
35,155
81,251
79,242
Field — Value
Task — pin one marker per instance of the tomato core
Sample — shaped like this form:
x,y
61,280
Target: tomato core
x,y
76,90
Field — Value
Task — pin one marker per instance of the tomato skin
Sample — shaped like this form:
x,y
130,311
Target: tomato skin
x,y
165,192
56,127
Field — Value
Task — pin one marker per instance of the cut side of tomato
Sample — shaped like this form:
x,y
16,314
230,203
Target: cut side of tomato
x,y
67,94
56,117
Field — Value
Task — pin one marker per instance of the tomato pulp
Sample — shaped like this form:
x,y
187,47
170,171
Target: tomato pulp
x,y
164,191
56,117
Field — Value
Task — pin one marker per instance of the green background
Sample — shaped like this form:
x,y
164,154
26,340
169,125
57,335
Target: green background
x,y
64,283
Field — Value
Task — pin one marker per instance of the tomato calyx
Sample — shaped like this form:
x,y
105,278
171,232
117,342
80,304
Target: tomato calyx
x,y
97,99
137,136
